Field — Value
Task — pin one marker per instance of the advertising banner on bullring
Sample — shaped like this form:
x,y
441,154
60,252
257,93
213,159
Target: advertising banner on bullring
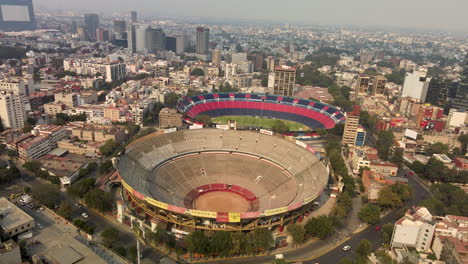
x,y
204,214
156,203
275,211
176,209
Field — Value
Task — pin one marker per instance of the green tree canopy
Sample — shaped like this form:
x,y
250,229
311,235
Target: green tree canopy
x,y
197,242
108,147
221,243
384,144
364,248
297,233
262,239
321,226
370,213
280,127
197,72
65,210
98,199
397,156
81,187
110,236
46,194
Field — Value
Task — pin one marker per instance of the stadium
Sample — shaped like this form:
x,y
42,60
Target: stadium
x,y
231,180
309,113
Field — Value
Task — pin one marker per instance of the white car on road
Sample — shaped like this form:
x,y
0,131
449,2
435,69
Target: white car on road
x,y
85,215
346,248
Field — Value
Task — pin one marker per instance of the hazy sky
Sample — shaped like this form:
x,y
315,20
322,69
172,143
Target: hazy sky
x,y
437,14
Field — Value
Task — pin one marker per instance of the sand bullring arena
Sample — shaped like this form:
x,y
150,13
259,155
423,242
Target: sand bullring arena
x,y
217,179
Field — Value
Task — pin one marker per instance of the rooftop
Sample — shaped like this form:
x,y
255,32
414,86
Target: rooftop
x,y
12,215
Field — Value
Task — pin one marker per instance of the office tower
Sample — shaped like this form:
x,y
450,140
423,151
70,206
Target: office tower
x,y
216,57
13,104
461,99
285,79
366,57
351,126
102,35
120,26
131,38
415,85
142,36
155,39
134,18
257,61
171,43
74,27
180,44
437,91
271,63
203,40
81,33
17,15
91,22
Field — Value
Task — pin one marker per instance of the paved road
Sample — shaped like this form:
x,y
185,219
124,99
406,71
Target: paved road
x,y
420,193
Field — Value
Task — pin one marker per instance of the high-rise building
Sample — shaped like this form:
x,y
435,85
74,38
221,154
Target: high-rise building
x,y
416,85
438,91
461,99
378,85
91,22
74,27
171,43
116,71
120,26
142,37
17,15
134,17
271,63
81,33
216,57
239,57
285,79
102,35
13,104
257,60
203,40
156,40
131,38
350,133
362,86
180,44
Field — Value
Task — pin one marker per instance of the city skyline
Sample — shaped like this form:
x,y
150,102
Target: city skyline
x,y
434,15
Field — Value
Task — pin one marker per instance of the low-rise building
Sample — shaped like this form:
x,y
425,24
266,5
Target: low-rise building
x,y
10,252
77,147
461,163
169,118
384,168
13,220
414,230
54,108
67,167
359,160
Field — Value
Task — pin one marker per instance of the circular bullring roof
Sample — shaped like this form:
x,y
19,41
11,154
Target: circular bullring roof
x,y
172,171
309,113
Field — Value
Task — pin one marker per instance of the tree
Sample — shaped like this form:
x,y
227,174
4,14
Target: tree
x,y
121,251
65,210
110,236
106,166
262,239
197,72
397,156
384,258
437,148
297,233
388,198
447,199
370,213
32,166
435,170
321,226
387,231
280,127
384,144
346,261
197,242
81,187
170,99
364,248
132,253
108,147
46,194
98,199
397,76
463,139
221,243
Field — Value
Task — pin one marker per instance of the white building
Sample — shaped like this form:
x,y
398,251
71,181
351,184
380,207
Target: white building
x,y
359,160
414,230
115,71
456,118
416,85
13,104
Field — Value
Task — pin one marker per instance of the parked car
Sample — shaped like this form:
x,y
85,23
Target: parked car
x,y
85,215
78,205
346,248
40,209
377,228
39,226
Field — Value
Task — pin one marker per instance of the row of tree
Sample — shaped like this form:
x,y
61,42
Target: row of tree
x,y
436,171
225,243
